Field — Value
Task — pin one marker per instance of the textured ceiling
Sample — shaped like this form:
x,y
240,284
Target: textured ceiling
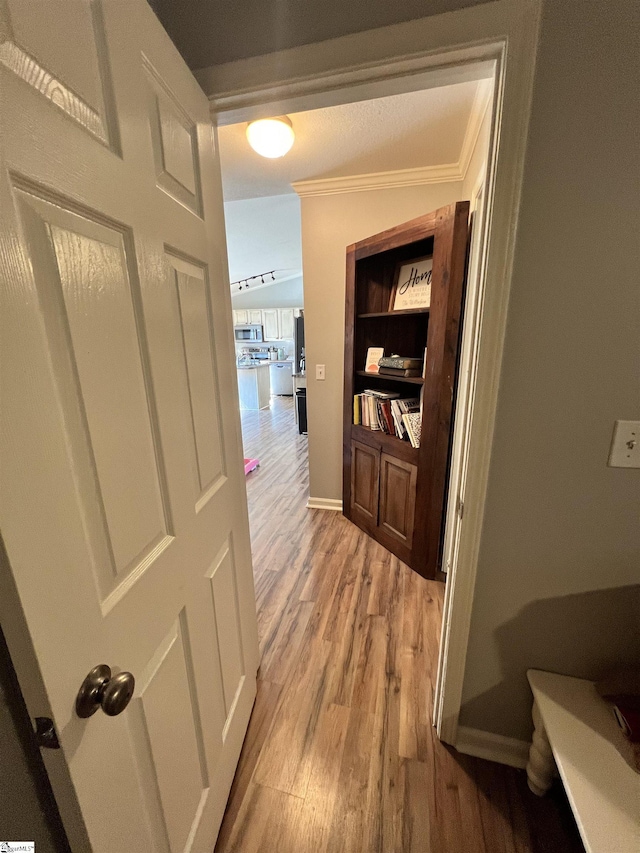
x,y
208,32
406,131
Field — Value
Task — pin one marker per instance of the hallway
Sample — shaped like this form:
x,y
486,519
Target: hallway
x,y
340,755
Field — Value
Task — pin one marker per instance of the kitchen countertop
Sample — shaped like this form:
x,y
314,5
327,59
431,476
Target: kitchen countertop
x,y
253,366
267,361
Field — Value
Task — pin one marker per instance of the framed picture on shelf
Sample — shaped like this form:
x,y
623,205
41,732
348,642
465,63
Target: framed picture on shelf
x,y
412,287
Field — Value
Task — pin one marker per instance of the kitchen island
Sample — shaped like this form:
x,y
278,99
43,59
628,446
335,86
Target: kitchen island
x,y
254,386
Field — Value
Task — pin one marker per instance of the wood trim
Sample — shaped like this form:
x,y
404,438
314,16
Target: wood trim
x,y
492,747
420,228
349,367
447,173
450,253
325,503
376,438
510,119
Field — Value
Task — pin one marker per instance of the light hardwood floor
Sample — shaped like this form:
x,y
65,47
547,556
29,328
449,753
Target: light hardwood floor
x,y
340,755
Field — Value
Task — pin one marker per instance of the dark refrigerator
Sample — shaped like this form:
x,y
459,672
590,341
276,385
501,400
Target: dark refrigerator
x,y
298,344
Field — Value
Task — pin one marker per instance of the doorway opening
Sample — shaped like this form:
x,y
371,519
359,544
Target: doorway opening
x,y
360,165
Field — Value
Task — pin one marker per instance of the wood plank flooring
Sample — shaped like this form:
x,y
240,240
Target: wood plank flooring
x,y
340,755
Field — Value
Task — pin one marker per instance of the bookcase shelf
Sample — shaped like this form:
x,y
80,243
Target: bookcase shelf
x,y
413,380
393,491
405,313
391,444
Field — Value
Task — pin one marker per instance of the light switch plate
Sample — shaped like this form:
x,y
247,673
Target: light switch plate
x,y
625,445
319,371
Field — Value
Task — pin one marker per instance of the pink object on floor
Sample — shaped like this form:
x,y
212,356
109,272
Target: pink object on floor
x,y
250,465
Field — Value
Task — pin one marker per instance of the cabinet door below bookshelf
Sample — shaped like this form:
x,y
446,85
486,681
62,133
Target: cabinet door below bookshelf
x,y
397,498
365,479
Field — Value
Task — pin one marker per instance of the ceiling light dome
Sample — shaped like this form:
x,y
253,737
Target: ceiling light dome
x,y
271,137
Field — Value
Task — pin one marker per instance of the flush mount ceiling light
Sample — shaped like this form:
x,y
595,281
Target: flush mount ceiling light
x,y
271,137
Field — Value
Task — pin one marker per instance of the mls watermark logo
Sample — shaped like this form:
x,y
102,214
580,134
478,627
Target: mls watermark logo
x,y
17,846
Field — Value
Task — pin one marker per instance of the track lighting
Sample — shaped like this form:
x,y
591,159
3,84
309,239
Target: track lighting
x,y
245,282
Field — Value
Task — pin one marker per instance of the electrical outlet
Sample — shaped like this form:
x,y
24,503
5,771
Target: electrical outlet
x,y
319,371
625,445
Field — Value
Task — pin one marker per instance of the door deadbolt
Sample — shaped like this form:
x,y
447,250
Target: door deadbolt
x,y
100,690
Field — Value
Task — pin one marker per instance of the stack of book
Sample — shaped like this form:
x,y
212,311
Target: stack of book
x,y
399,366
383,410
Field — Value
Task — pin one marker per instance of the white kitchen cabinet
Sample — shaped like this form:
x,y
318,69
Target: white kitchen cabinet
x,y
286,323
270,323
254,387
240,317
255,316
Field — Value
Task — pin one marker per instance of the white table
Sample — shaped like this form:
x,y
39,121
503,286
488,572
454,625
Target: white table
x,y
576,732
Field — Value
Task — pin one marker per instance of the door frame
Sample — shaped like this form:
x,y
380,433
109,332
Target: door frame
x,y
500,37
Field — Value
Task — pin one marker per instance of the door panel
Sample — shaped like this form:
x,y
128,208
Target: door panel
x,y
397,498
175,151
77,81
121,455
81,272
227,615
200,368
365,476
171,720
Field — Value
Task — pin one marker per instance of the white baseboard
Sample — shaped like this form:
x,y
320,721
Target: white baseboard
x,y
324,503
492,747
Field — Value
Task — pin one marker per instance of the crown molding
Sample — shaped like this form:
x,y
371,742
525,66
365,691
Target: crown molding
x,y
379,180
410,177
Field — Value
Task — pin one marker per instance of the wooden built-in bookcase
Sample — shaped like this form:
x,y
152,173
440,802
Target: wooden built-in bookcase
x,y
393,491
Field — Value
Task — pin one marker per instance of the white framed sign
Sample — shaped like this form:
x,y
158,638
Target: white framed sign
x,y
413,285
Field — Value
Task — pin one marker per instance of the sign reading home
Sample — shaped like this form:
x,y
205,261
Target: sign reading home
x,y
413,286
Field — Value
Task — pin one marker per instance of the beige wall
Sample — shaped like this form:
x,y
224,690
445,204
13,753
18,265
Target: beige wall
x,y
561,540
329,224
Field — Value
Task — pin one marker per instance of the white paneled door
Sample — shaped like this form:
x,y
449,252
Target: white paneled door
x,y
122,510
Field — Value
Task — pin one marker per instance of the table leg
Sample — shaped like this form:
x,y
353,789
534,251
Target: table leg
x,y
541,766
